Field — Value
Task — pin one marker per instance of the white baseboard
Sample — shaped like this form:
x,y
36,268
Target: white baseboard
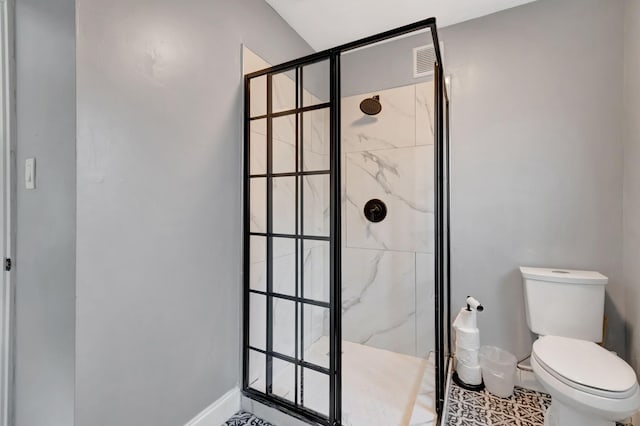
x,y
219,412
527,379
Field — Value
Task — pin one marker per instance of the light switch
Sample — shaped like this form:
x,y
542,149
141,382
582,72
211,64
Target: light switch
x,y
30,173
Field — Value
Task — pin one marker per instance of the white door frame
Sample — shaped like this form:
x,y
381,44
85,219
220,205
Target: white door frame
x,y
7,207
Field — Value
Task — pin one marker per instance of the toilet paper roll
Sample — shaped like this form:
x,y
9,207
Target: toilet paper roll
x,y
471,375
467,356
468,338
465,319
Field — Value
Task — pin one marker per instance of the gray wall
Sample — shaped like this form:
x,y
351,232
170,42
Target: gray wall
x,y
537,149
631,206
362,70
159,202
45,262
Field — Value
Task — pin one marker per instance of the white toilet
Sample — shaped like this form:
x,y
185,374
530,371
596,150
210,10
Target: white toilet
x,y
589,385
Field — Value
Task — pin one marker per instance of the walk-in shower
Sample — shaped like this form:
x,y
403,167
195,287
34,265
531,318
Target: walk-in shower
x,y
346,282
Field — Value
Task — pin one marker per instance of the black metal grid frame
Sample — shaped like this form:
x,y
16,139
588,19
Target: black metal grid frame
x,y
442,262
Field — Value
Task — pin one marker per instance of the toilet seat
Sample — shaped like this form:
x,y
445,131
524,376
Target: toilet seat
x,y
585,366
599,407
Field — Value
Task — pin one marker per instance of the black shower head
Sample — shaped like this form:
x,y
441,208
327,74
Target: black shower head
x,y
371,106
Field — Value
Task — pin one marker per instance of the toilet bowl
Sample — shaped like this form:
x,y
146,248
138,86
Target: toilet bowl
x,y
589,385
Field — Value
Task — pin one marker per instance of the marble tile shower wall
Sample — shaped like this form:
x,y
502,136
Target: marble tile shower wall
x,y
388,267
314,191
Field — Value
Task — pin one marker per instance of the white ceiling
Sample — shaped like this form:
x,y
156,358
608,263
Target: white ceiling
x,y
328,23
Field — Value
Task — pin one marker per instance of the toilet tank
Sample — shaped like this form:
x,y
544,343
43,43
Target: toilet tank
x,y
564,302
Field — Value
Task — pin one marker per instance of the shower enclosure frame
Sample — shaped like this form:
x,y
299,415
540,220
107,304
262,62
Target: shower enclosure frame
x,y
442,257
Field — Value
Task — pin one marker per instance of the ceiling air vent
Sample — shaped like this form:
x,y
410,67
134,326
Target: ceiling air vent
x,y
423,59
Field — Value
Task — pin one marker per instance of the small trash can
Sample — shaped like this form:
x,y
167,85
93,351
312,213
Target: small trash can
x,y
498,370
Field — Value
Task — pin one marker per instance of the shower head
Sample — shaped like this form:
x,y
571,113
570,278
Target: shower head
x,y
371,106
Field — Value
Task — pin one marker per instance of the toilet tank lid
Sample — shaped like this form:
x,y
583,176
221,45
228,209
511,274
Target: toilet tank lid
x,y
561,275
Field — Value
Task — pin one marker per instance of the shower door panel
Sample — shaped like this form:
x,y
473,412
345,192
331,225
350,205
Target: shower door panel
x,y
290,241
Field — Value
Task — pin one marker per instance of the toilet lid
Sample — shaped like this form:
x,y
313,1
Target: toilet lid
x,y
585,363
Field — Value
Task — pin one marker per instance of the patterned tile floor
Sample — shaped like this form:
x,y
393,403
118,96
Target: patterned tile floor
x,y
524,408
467,408
243,418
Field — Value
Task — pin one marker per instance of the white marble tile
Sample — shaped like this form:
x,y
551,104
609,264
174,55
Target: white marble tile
x,y
378,299
317,272
284,322
258,276
284,144
315,162
284,205
321,136
259,126
315,206
284,282
399,337
257,263
284,266
284,157
284,128
258,100
316,140
258,147
425,304
308,98
316,393
283,379
315,325
258,205
257,370
318,352
257,321
344,199
403,179
283,91
316,287
424,113
393,127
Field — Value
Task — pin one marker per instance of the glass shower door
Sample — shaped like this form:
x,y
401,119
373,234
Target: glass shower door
x,y
289,316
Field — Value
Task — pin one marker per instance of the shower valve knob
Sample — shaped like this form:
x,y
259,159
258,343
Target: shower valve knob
x,y
375,210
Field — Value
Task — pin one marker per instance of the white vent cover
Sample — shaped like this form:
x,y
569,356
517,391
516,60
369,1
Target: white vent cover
x,y
423,59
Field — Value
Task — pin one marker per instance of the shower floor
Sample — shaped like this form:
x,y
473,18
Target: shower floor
x,y
379,387
382,388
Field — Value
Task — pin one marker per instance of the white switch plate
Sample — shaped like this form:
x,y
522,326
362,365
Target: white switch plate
x,y
30,173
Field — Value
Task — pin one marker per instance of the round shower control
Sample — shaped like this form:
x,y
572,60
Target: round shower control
x,y
375,210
